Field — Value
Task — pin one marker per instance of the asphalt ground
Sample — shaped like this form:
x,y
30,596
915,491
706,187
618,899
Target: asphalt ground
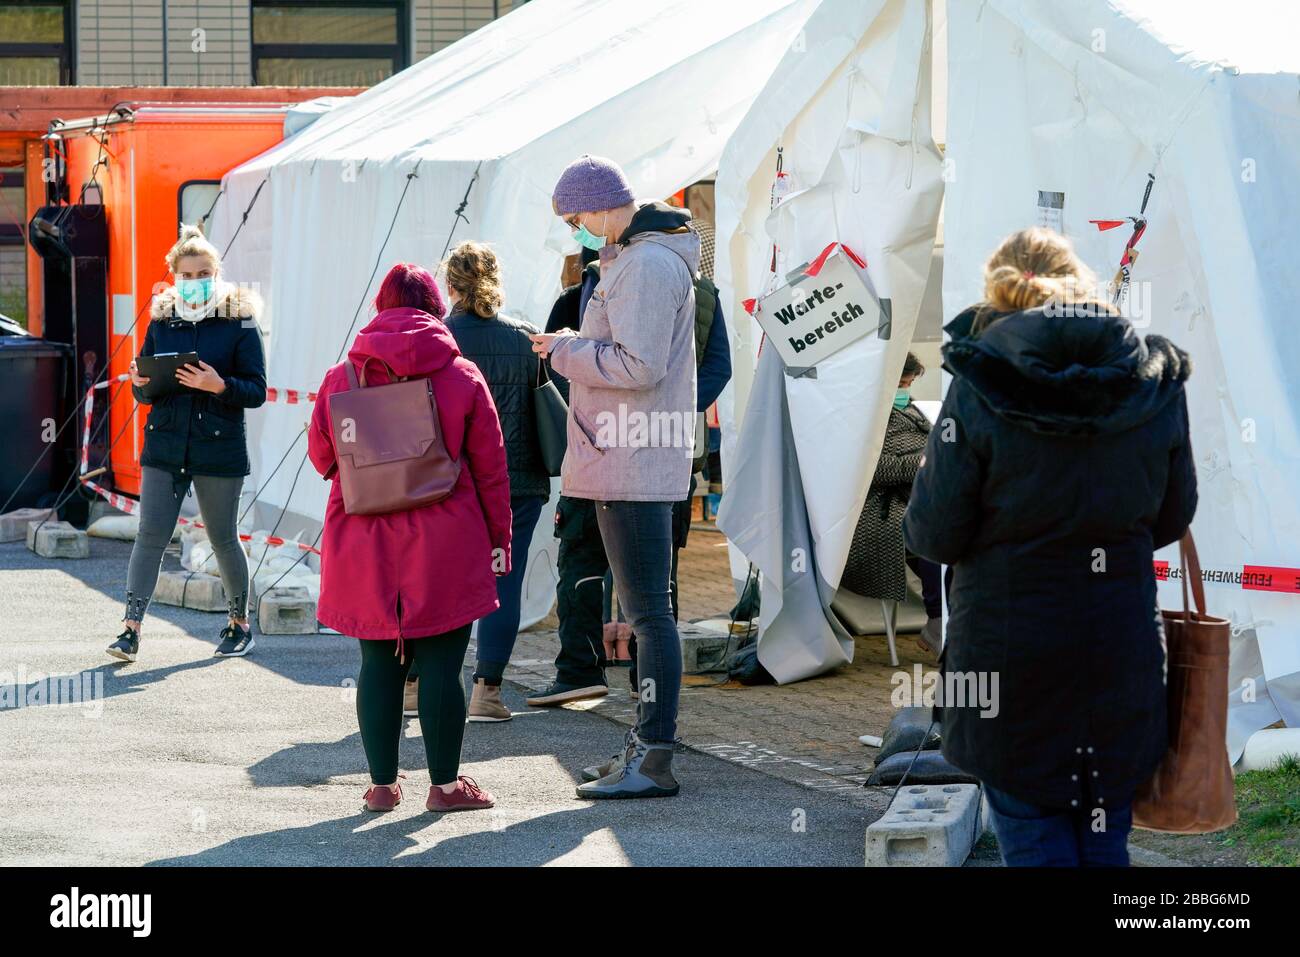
x,y
185,759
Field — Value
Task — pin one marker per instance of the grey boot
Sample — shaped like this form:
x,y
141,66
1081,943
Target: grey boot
x,y
598,771
646,771
931,637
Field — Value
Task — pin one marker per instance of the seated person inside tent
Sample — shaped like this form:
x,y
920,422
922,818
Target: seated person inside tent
x,y
875,567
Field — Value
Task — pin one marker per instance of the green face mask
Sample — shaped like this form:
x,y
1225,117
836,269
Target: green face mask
x,y
901,398
585,237
195,291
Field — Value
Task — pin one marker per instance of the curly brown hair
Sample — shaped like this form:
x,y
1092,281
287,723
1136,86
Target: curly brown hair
x,y
474,272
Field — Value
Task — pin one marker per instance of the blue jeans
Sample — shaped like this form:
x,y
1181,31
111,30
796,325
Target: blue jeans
x,y
638,539
498,631
1030,835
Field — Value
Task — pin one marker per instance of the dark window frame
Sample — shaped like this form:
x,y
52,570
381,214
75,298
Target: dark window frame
x,y
14,234
65,51
180,196
397,53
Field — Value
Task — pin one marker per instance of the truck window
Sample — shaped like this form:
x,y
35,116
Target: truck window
x,y
194,201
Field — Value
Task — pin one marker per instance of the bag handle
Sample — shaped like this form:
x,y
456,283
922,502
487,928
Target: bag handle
x,y
1191,568
352,375
543,373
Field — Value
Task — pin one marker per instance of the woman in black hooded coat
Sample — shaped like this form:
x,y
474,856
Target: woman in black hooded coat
x,y
1060,461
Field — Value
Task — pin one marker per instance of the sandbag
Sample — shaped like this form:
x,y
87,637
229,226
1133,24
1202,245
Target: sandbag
x,y
123,528
907,732
931,767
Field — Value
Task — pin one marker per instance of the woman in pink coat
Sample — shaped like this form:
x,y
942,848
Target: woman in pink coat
x,y
410,584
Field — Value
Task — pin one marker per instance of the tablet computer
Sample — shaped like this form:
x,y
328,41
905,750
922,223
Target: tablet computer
x,y
160,370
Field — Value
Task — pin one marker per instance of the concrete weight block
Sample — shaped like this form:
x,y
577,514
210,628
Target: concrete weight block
x,y
928,825
13,525
286,611
193,590
57,540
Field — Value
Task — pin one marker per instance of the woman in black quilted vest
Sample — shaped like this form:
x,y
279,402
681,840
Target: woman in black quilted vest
x,y
500,347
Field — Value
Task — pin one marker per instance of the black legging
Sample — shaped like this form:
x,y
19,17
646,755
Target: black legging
x,y
442,702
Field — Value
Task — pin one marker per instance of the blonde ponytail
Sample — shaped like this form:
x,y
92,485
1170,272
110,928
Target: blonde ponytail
x,y
1033,267
474,272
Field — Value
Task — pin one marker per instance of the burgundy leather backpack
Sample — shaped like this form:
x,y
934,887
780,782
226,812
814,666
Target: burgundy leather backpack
x,y
389,444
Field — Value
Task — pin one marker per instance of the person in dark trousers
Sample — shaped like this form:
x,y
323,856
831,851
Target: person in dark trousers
x,y
502,350
1060,461
196,436
581,562
409,584
580,663
632,410
875,566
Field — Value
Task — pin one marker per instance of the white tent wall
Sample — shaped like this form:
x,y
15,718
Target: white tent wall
x,y
1086,98
658,85
849,104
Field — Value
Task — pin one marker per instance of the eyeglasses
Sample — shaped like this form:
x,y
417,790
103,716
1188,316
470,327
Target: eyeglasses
x,y
572,222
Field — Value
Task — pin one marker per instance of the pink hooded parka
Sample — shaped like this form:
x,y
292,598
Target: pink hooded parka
x,y
429,570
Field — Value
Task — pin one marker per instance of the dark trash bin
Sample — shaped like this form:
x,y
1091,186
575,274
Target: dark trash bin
x,y
33,404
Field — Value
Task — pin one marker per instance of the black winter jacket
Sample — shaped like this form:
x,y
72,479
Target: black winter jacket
x,y
198,433
501,349
1059,461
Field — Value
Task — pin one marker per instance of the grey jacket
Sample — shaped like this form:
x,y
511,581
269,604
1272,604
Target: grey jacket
x,y
631,368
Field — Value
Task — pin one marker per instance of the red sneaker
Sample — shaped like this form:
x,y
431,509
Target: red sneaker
x,y
380,798
468,796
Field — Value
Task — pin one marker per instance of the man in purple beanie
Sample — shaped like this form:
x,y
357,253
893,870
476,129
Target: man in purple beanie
x,y
632,376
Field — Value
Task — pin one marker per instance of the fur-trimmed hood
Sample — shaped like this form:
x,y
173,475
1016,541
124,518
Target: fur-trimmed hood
x,y
1067,375
233,302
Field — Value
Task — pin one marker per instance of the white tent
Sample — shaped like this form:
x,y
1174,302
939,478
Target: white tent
x,y
657,85
849,106
1073,103
1086,99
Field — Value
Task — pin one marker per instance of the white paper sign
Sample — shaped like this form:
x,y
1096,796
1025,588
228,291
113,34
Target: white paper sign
x,y
821,309
1051,210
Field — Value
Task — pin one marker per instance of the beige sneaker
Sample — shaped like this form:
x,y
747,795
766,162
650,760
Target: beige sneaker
x,y
411,699
485,703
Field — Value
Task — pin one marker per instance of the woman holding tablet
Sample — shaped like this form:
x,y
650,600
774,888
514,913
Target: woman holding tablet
x,y
195,431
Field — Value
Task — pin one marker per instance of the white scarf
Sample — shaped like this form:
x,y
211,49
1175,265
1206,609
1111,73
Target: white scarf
x,y
199,312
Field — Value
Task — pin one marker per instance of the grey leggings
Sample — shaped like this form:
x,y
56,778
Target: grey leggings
x,y
161,494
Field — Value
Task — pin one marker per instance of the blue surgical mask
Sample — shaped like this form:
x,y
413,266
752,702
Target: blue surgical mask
x,y
195,291
901,398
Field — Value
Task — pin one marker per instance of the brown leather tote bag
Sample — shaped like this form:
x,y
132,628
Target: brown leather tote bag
x,y
1191,792
389,444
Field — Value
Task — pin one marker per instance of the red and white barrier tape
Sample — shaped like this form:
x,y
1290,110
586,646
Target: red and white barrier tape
x,y
1248,577
132,507
90,408
290,396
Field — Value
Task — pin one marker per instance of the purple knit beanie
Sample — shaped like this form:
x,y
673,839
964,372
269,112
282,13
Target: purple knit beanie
x,y
590,184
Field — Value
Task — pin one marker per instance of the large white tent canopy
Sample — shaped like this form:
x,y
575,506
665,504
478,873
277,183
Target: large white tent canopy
x,y
849,109
1087,99
1079,101
495,117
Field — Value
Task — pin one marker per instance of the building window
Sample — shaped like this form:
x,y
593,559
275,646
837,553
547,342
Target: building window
x,y
350,43
35,40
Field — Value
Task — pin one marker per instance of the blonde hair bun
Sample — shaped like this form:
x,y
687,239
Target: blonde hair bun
x,y
1031,268
192,242
474,271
